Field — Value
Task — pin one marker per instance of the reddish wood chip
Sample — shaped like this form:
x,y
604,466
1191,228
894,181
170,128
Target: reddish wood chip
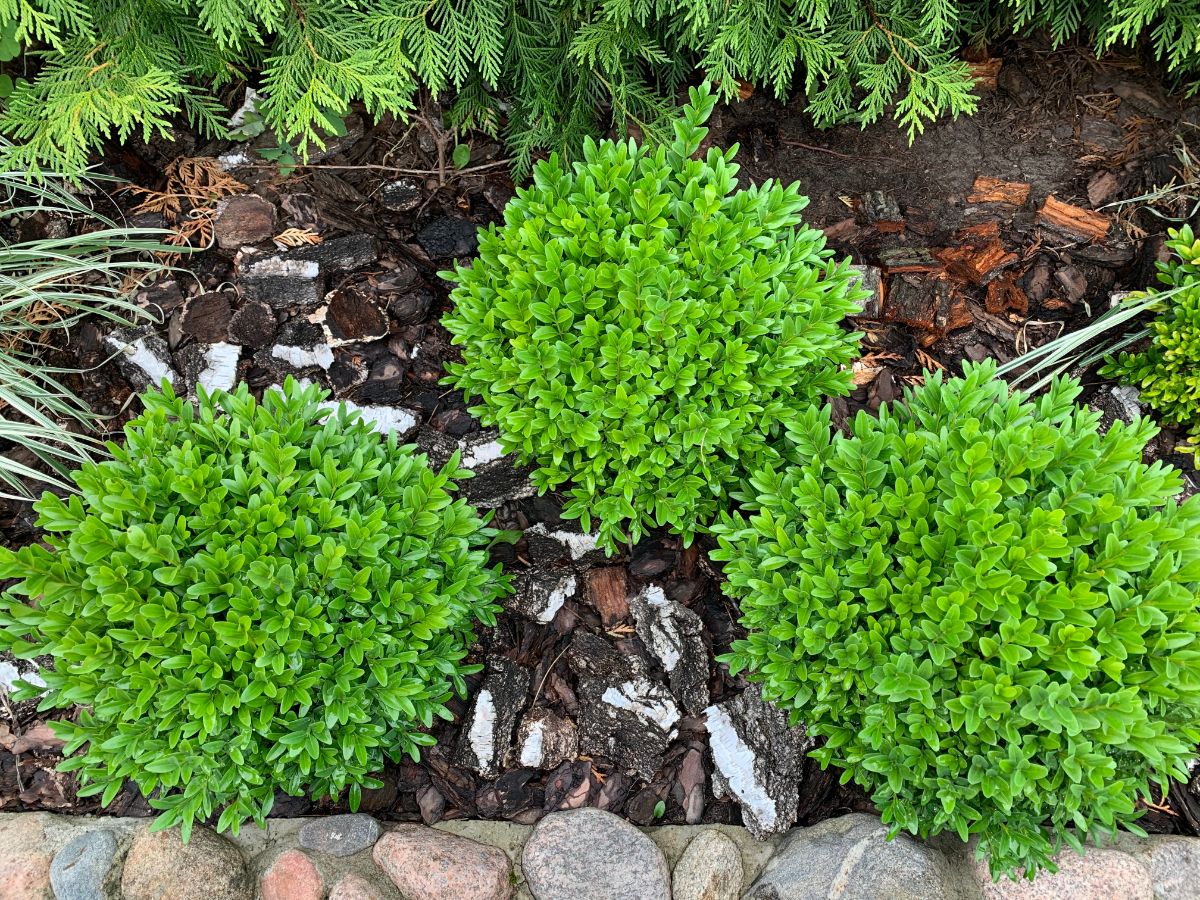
x,y
1073,220
607,590
996,190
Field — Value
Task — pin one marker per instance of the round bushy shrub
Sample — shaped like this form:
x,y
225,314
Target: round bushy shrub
x,y
986,608
249,598
1167,370
642,331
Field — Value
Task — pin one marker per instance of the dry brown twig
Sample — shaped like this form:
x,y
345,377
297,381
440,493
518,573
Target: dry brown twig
x,y
196,182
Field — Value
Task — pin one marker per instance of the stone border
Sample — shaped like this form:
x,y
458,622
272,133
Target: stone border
x,y
583,854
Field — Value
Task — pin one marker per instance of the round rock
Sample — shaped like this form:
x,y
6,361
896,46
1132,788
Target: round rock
x,y
84,868
340,835
710,869
292,876
589,854
24,865
851,858
207,867
432,865
1099,874
353,886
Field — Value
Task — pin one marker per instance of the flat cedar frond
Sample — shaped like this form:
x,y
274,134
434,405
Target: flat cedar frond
x,y
297,237
564,69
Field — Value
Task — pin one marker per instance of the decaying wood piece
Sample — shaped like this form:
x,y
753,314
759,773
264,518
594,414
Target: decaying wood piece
x,y
993,325
882,212
977,265
1004,295
902,260
1073,220
995,190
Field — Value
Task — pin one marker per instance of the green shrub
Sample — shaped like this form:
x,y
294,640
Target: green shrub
x,y
250,598
643,331
564,68
1167,373
988,610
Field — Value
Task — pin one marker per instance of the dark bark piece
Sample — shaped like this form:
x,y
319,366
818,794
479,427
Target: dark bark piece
x,y
901,260
608,591
758,760
882,211
486,734
1073,282
674,635
993,325
1109,256
1084,224
340,254
253,325
243,219
912,300
353,316
206,317
996,190
410,307
623,715
401,195
448,238
283,281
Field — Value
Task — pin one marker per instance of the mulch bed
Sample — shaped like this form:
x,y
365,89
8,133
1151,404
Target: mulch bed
x,y
983,240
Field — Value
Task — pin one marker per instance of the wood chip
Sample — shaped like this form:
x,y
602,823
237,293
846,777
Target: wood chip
x,y
1073,220
608,592
901,260
1004,296
996,190
993,325
986,72
976,265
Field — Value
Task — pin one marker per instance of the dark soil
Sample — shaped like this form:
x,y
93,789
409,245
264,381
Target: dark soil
x,y
1059,122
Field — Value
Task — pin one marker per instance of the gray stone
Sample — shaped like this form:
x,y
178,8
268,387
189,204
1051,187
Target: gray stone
x,y
486,734
85,868
1174,863
1100,873
758,760
674,635
850,858
710,869
213,865
340,835
589,854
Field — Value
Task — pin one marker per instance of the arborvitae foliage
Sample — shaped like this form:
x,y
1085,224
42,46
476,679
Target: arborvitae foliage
x,y
115,66
250,598
643,331
1168,371
988,610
